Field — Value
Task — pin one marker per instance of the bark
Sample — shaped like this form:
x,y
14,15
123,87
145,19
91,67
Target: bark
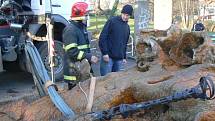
x,y
184,49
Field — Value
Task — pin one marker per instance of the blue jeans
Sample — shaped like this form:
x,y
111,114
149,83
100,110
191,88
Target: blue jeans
x,y
111,66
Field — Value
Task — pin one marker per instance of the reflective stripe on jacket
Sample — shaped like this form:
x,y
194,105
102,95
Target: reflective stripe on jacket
x,y
80,48
69,78
76,42
76,47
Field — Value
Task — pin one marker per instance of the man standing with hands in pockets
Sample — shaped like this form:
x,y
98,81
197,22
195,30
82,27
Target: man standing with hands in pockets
x,y
113,42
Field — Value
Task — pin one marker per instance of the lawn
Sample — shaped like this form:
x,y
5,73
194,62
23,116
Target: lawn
x,y
99,23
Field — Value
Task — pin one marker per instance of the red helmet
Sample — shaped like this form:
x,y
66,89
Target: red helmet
x,y
79,10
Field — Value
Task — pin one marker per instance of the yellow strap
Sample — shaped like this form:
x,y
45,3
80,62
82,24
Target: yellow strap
x,y
80,55
83,46
72,65
67,47
71,78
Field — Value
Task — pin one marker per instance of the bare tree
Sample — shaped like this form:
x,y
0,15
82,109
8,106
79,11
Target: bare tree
x,y
186,10
106,12
114,8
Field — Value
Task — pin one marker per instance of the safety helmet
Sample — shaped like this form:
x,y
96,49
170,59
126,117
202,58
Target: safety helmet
x,y
79,11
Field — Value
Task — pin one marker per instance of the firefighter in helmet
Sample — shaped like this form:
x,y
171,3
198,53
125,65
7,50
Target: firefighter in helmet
x,y
76,43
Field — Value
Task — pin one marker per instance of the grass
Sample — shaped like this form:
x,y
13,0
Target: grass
x,y
97,25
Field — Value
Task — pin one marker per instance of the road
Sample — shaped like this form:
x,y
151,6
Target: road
x,y
14,86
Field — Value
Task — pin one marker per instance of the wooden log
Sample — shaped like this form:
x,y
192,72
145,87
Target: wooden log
x,y
164,76
91,94
121,87
153,48
184,49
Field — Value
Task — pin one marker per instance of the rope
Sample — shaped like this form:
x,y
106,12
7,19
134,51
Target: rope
x,y
91,93
33,37
79,85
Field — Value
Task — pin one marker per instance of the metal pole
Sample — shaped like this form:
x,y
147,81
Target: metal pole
x,y
50,45
132,46
49,25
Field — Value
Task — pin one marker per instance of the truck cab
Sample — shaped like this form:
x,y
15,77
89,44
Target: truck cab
x,y
36,10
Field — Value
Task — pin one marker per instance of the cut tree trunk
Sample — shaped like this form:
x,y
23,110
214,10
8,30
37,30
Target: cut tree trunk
x,y
121,87
193,48
164,76
178,49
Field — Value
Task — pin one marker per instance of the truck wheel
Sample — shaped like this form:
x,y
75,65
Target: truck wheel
x,y
58,59
11,66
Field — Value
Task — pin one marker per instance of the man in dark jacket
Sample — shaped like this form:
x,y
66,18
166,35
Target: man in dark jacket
x,y
198,26
76,43
113,42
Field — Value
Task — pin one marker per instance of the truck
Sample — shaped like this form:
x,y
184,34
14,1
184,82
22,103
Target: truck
x,y
26,28
32,14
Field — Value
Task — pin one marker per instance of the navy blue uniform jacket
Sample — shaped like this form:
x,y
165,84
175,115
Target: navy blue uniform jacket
x,y
75,33
114,38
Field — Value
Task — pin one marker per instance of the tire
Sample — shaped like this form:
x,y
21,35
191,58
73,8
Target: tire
x,y
59,53
11,66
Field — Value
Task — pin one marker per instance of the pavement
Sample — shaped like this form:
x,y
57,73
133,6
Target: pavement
x,y
15,86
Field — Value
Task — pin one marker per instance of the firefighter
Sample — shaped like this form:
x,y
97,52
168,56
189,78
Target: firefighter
x,y
76,43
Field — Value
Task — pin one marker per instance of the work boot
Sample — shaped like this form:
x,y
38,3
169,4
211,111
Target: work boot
x,y
71,85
